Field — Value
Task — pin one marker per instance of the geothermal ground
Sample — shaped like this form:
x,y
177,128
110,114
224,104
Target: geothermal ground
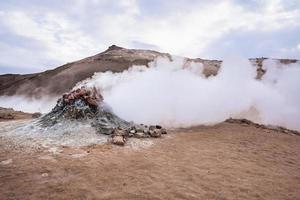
x,y
68,153
224,161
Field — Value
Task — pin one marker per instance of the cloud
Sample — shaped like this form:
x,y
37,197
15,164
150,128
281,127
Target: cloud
x,y
67,32
265,44
60,37
193,28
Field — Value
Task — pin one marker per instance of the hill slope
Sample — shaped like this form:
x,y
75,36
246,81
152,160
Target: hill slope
x,y
116,59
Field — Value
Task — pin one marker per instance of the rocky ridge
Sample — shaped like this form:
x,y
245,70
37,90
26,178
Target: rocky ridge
x,y
278,129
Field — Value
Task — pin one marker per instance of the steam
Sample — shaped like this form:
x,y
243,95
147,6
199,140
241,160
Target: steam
x,y
175,96
30,105
167,94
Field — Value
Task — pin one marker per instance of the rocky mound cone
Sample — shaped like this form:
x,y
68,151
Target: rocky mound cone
x,y
87,104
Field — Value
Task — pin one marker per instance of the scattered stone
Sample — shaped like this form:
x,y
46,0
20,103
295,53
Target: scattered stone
x,y
119,132
163,131
133,131
155,133
118,140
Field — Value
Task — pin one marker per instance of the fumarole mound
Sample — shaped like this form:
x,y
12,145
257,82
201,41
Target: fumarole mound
x,y
87,104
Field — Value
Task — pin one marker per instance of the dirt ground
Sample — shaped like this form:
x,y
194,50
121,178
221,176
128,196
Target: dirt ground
x,y
225,161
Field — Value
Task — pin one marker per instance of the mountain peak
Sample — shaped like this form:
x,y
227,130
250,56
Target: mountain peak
x,y
114,47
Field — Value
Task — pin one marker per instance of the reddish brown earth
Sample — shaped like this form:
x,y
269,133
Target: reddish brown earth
x,y
225,161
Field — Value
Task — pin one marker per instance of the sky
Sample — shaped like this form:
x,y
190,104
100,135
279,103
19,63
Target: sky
x,y
39,35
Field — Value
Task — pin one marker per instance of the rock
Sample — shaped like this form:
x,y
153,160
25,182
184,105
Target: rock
x,y
91,101
155,133
118,140
118,137
133,131
158,126
119,131
163,131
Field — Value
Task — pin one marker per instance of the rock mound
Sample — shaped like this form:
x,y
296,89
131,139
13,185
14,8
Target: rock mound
x,y
87,104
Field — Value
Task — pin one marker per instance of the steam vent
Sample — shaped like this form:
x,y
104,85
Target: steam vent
x,y
87,104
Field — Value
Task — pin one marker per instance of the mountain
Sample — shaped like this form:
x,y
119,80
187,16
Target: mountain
x,y
116,59
63,78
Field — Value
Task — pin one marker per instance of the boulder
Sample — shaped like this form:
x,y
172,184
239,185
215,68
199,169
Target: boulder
x,y
155,133
119,131
118,140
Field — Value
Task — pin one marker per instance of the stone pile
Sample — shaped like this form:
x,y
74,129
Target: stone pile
x,y
81,103
87,104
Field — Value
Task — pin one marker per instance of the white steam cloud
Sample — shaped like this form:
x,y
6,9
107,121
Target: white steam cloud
x,y
30,105
167,94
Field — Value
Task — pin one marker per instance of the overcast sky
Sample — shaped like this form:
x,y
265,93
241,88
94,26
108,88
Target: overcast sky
x,y
38,35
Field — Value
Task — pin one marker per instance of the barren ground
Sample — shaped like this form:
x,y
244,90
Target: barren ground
x,y
225,161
